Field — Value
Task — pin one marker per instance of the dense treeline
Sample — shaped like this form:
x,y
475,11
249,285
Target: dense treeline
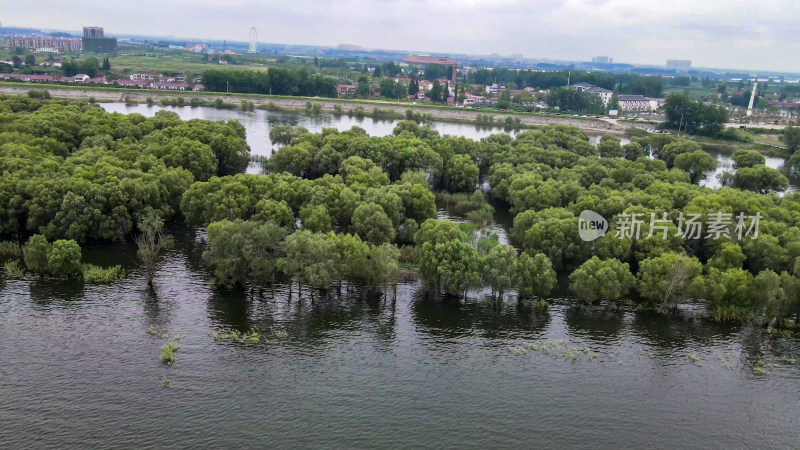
x,y
72,170
274,81
575,101
649,86
444,162
548,177
693,116
346,206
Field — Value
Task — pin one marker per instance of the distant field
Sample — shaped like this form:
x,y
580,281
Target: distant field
x,y
189,64
695,91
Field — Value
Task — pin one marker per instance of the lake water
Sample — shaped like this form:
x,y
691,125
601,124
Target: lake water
x,y
80,370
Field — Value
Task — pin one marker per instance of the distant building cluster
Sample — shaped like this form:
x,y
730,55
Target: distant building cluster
x,y
142,80
684,64
45,44
93,41
626,102
605,94
602,60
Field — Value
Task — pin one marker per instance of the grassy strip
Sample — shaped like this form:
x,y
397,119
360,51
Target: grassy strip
x,y
406,104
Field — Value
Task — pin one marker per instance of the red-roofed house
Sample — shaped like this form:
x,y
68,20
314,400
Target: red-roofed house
x,y
347,89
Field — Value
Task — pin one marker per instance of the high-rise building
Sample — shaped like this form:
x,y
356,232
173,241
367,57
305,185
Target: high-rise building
x,y
602,59
92,32
94,41
685,64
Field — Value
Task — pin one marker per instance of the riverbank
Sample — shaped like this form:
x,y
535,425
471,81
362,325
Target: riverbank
x,y
439,113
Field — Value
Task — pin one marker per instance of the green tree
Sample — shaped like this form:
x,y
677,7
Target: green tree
x,y
536,276
372,224
791,137
697,163
276,211
242,251
667,279
437,231
610,147
35,252
747,158
499,270
598,279
452,266
729,256
310,259
30,60
634,151
151,243
315,218
64,258
760,179
461,174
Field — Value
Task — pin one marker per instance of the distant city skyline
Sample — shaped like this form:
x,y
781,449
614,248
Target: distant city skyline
x,y
710,33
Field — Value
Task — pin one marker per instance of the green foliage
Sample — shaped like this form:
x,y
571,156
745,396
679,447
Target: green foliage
x,y
436,231
610,147
791,137
275,81
598,279
311,259
315,218
168,353
13,269
668,279
151,242
536,276
729,256
239,251
452,266
240,337
64,258
80,173
10,250
499,269
279,212
96,274
461,174
747,158
35,253
697,163
694,116
761,179
372,224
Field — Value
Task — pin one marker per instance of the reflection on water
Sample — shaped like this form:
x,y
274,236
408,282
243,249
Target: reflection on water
x,y
361,370
259,122
725,164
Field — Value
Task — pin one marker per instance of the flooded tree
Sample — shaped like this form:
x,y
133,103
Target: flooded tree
x,y
151,243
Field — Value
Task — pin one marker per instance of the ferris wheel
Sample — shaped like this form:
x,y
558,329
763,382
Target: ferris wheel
x,y
253,41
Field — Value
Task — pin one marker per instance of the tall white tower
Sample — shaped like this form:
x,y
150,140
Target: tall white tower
x,y
752,98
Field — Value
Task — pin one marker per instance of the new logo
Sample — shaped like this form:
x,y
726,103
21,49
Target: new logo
x,y
591,225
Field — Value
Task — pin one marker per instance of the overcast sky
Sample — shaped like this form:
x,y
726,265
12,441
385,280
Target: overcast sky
x,y
759,34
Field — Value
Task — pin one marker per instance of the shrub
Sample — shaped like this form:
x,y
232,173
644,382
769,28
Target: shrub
x,y
168,353
10,250
64,258
97,274
35,253
13,269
